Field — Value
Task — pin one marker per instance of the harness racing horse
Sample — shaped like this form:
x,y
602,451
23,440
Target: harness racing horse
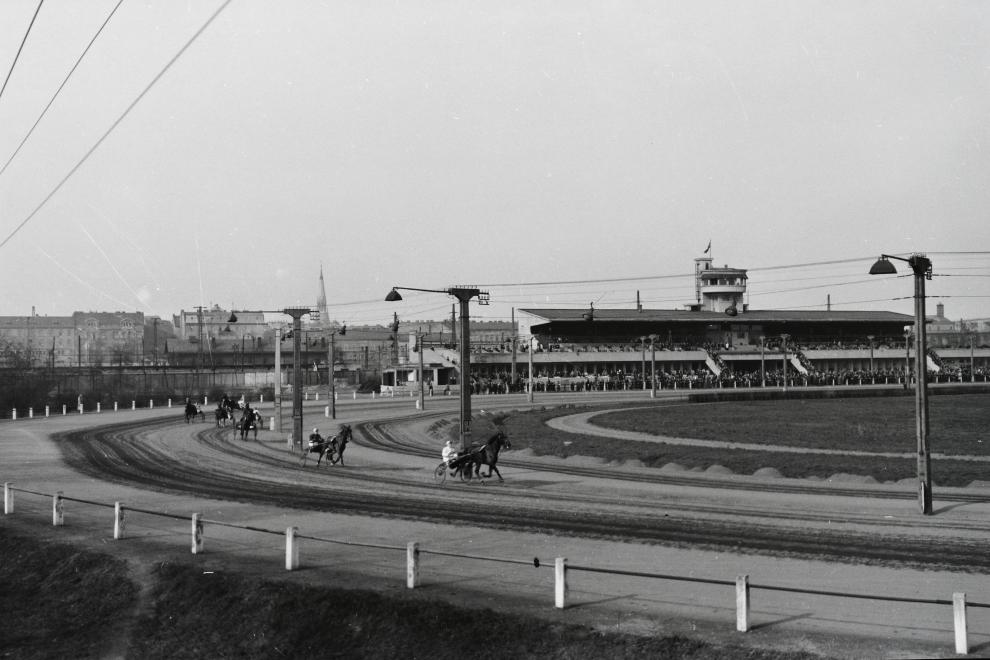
x,y
223,416
191,411
250,420
341,440
486,455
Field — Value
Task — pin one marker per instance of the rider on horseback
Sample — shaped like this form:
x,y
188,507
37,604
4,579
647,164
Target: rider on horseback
x,y
315,438
448,453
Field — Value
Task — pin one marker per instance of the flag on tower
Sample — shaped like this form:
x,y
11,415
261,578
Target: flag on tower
x,y
709,248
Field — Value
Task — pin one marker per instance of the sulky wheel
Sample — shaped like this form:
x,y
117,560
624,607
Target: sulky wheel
x,y
440,474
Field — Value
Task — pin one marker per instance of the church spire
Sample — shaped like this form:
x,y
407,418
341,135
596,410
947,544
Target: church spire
x,y
321,301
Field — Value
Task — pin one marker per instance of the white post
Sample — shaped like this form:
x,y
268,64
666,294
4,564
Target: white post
x,y
206,401
118,521
151,404
355,395
560,582
63,408
47,411
742,603
8,499
291,549
271,424
31,413
115,406
326,411
317,396
959,617
58,518
133,404
98,404
412,565
13,413
170,403
197,534
261,399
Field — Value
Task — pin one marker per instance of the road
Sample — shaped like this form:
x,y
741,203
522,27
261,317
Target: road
x,y
824,537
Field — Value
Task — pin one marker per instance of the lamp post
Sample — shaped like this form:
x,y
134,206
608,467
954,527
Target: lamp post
x,y
763,367
653,363
331,355
922,268
463,295
297,412
532,342
783,347
873,378
907,357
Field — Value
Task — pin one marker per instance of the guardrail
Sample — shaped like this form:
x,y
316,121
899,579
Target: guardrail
x,y
413,550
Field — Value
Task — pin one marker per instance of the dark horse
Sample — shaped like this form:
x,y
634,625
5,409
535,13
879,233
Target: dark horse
x,y
331,448
250,421
191,411
487,454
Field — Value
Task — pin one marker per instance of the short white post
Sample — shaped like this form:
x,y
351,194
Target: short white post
x,y
560,582
170,403
335,396
372,395
115,406
151,404
8,499
417,404
288,441
197,534
13,413
355,395
412,565
326,411
47,411
959,617
742,603
206,401
118,521
133,404
30,413
305,396
63,408
58,517
271,423
317,396
98,406
291,549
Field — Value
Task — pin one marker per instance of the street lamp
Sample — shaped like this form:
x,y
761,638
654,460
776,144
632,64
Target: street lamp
x,y
330,366
873,377
463,295
783,347
653,363
297,412
922,268
763,367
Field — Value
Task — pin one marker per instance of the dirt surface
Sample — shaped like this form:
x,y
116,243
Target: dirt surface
x,y
385,496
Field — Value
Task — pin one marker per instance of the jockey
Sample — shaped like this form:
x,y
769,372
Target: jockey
x,y
448,453
315,438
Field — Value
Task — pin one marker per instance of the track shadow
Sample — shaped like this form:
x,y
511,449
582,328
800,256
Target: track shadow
x,y
574,606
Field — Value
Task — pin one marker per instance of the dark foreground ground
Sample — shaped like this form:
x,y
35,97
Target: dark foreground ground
x,y
62,601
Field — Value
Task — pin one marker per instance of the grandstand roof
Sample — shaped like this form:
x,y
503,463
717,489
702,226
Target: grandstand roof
x,y
750,316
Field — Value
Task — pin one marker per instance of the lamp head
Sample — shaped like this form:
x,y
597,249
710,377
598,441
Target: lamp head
x,y
393,296
232,318
883,267
590,314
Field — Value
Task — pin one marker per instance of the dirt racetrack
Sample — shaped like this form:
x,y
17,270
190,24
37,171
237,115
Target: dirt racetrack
x,y
825,537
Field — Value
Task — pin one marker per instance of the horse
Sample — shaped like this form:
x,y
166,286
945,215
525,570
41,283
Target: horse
x,y
223,415
191,411
250,420
487,454
340,440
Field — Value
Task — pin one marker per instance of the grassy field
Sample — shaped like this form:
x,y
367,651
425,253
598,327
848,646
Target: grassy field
x,y
959,427
59,601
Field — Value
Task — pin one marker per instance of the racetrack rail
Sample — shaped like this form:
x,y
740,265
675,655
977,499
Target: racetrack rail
x,y
213,465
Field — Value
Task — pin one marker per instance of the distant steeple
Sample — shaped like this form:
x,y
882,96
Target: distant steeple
x,y
321,301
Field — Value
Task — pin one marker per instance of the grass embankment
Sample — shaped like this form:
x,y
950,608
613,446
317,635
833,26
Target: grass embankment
x,y
60,602
959,427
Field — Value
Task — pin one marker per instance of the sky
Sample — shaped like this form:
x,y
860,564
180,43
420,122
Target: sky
x,y
555,154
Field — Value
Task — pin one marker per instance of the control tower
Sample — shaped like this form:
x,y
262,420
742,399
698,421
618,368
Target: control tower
x,y
719,289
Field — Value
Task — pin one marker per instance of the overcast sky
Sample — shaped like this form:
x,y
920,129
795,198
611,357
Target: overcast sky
x,y
542,150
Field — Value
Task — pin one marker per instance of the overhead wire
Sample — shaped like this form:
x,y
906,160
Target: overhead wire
x,y
57,91
20,48
116,123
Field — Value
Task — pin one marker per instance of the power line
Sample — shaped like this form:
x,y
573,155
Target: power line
x,y
57,91
116,123
20,48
